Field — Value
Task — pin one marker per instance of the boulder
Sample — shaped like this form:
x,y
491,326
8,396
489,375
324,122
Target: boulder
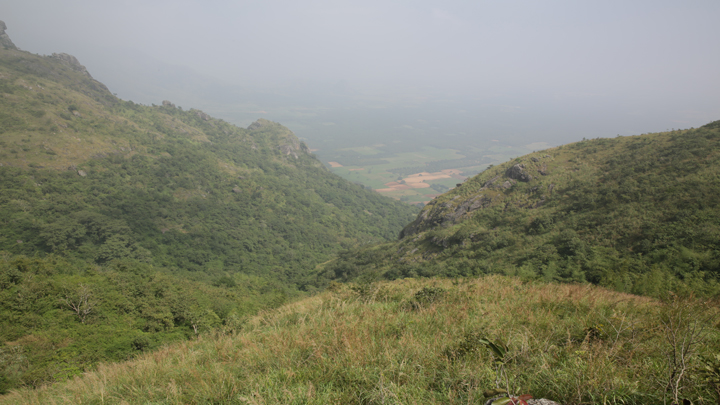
x,y
518,173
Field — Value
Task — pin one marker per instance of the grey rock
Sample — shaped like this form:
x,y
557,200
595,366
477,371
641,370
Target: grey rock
x,y
5,40
444,214
82,173
289,150
534,159
540,401
237,189
202,115
518,172
491,181
71,62
167,103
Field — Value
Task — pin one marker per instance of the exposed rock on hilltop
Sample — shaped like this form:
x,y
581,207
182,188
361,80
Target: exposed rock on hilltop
x,y
518,173
459,207
5,40
71,62
289,145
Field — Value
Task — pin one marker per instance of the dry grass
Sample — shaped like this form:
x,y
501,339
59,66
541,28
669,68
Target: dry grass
x,y
384,344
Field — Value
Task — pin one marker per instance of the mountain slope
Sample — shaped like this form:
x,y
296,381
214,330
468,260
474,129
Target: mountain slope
x,y
124,226
88,175
634,213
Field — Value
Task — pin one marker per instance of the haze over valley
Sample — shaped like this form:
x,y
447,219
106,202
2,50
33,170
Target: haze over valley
x,y
381,89
318,202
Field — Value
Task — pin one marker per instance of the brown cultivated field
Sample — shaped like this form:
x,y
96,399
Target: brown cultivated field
x,y
418,180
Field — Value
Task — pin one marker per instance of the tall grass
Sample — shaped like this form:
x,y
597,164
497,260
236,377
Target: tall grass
x,y
413,342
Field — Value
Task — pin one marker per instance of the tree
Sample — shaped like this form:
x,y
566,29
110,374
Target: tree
x,y
80,301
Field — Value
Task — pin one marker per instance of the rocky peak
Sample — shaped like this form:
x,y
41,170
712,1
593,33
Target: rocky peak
x,y
71,62
5,41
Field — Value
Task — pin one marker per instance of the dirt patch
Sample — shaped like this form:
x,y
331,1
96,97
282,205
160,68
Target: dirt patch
x,y
335,164
418,180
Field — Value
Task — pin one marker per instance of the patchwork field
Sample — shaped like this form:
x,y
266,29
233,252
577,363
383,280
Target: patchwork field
x,y
416,177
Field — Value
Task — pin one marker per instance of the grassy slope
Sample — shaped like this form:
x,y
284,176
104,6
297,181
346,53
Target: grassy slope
x,y
418,342
634,213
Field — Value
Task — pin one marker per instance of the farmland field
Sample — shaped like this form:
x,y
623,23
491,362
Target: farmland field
x,y
415,177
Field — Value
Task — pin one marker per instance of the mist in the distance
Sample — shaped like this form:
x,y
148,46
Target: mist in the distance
x,y
553,71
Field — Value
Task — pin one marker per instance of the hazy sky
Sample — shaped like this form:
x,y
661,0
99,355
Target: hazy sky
x,y
646,53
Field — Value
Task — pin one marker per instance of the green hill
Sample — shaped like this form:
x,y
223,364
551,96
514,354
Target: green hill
x,y
639,214
157,214
428,342
90,176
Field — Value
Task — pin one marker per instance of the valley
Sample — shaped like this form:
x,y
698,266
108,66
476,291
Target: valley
x,y
155,254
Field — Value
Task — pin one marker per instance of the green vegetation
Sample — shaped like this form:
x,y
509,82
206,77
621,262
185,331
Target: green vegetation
x,y
59,319
120,221
173,188
426,342
124,228
637,214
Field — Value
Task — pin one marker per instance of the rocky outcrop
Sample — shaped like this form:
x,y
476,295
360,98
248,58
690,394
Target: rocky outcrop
x,y
259,124
71,62
167,103
203,116
518,173
461,205
5,40
445,214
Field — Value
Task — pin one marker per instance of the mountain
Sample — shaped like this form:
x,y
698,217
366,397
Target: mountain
x,y
639,214
125,226
91,176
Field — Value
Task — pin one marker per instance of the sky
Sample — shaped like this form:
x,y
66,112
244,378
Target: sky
x,y
658,58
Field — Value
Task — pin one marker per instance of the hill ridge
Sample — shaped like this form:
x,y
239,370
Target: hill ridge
x,y
626,212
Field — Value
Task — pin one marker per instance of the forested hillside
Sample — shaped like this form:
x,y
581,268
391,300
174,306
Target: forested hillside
x,y
153,214
639,214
